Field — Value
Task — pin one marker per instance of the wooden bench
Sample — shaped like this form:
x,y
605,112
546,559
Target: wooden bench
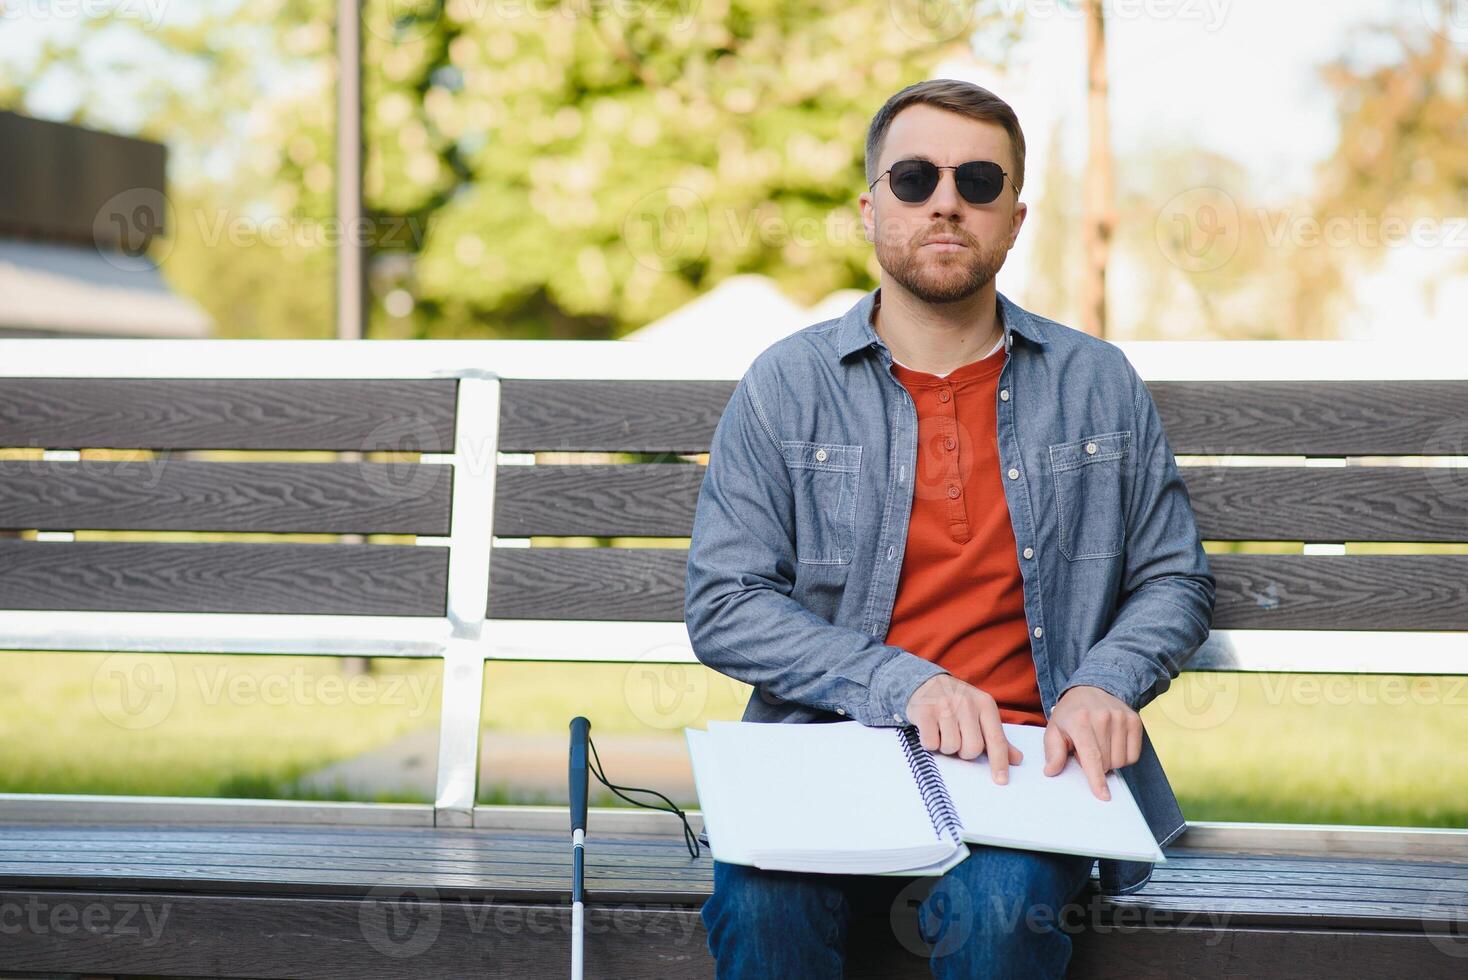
x,y
118,886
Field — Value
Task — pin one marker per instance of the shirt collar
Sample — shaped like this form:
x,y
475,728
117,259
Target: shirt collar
x,y
855,331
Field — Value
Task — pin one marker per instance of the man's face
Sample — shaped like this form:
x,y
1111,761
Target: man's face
x,y
986,232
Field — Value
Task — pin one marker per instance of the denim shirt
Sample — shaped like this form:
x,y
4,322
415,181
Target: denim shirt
x,y
802,519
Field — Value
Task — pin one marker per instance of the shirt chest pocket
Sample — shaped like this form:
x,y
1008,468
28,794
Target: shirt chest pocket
x,y
1089,499
824,479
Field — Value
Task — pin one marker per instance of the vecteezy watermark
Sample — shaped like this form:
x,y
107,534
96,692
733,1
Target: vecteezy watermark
x,y
670,228
137,690
664,695
1448,18
1201,229
1445,917
933,21
938,917
404,922
148,13
36,916
128,229
1200,700
1211,14
412,20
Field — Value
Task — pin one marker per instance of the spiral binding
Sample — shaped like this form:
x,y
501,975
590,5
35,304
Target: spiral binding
x,y
930,783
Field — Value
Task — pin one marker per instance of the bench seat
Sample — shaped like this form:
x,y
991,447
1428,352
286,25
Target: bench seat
x,y
271,901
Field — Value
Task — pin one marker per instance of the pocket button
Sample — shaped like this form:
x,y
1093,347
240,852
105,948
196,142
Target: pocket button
x,y
1090,449
821,454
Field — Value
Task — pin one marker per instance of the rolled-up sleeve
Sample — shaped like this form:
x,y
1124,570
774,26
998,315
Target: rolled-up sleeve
x,y
741,616
1168,590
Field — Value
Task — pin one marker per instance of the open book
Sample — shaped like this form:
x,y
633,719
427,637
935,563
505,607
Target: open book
x,y
844,798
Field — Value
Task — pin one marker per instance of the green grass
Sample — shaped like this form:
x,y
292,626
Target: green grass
x,y
1374,749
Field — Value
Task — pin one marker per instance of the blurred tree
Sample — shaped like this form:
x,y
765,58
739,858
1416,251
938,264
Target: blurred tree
x,y
535,168
1402,93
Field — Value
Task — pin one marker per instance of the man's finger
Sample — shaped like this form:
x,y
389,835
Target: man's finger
x,y
1134,743
1057,749
1088,754
927,723
997,744
1118,746
950,735
969,720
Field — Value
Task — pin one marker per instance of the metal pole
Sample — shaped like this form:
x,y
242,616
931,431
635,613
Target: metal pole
x,y
349,264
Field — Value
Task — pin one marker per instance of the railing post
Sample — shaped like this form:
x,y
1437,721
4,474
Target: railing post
x,y
476,438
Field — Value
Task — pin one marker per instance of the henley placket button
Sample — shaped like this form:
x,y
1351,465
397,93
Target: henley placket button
x,y
943,396
953,492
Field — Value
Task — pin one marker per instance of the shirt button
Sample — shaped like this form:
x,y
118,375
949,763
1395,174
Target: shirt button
x,y
1029,552
821,455
944,396
841,711
896,717
953,492
949,443
1013,473
1090,448
1004,394
891,552
1039,631
901,473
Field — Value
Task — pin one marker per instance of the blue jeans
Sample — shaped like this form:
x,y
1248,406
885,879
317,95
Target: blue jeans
x,y
993,915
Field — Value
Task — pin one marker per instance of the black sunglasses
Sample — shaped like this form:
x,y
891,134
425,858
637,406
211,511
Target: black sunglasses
x,y
913,181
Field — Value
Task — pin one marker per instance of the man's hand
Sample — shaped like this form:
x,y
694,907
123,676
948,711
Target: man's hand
x,y
1103,730
952,716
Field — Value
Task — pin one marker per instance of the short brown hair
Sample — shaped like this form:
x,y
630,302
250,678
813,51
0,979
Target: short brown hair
x,y
964,98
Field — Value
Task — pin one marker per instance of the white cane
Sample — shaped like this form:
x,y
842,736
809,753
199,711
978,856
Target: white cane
x,y
580,728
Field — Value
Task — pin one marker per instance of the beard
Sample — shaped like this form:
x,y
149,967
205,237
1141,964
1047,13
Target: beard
x,y
942,277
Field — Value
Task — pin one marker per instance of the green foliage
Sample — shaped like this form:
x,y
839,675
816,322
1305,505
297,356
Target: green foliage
x,y
556,168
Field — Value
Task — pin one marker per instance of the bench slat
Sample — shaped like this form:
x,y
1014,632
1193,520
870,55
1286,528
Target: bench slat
x,y
187,495
1232,503
125,576
1313,418
610,416
112,413
1296,418
1361,592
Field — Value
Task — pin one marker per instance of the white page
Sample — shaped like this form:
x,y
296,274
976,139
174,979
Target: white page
x,y
1046,813
826,798
831,786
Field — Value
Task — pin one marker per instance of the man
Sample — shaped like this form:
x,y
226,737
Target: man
x,y
942,510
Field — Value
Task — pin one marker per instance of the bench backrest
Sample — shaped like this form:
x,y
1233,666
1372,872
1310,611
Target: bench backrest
x,y
469,589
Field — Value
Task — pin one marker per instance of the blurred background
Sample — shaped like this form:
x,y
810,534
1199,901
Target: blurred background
x,y
687,171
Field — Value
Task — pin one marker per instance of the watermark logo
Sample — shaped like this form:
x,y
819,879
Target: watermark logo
x,y
933,21
1199,230
665,696
667,229
400,921
1445,917
135,690
128,229
1200,700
